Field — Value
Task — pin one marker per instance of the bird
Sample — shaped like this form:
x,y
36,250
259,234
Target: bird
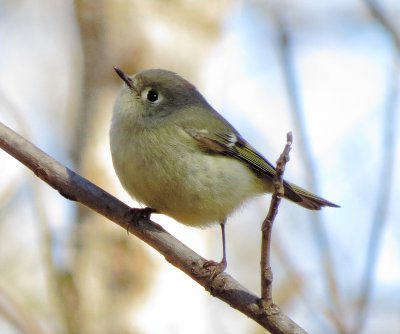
x,y
173,152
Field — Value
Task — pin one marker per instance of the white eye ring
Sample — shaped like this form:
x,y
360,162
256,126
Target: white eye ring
x,y
151,95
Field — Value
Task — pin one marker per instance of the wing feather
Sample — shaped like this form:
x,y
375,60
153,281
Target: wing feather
x,y
232,144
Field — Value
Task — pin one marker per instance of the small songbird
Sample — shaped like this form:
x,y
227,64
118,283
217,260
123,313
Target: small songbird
x,y
177,155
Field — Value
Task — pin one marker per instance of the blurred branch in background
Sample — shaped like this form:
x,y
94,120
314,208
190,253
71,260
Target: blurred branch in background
x,y
385,173
379,15
321,237
108,34
60,294
16,315
53,276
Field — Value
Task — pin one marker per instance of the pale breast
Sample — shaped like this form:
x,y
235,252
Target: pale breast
x,y
180,180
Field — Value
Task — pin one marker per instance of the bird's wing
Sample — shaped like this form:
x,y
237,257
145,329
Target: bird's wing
x,y
233,145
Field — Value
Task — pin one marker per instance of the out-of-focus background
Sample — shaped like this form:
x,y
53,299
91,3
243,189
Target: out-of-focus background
x,y
326,70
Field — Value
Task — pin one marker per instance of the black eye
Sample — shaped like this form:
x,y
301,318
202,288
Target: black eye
x,y
152,95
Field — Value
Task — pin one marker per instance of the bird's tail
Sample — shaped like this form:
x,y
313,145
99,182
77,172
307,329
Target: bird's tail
x,y
304,198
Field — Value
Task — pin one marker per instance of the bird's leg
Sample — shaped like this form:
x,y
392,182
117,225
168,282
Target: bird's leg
x,y
223,262
219,266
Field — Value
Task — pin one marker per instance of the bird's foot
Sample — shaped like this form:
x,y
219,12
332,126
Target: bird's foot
x,y
136,214
215,268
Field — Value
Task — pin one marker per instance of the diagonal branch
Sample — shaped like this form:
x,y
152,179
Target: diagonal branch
x,y
77,188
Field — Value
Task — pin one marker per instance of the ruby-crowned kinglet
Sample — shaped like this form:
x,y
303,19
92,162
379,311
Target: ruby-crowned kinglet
x,y
174,153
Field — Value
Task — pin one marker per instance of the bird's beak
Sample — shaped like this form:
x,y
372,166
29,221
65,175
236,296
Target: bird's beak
x,y
124,77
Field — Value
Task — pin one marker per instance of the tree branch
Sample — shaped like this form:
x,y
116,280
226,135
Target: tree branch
x,y
77,188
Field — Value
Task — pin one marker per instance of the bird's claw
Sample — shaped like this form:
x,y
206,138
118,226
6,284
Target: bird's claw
x,y
215,268
136,214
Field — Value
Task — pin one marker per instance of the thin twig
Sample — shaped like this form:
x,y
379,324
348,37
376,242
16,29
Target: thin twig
x,y
266,229
77,188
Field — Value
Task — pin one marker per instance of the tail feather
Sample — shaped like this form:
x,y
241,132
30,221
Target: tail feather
x,y
304,198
